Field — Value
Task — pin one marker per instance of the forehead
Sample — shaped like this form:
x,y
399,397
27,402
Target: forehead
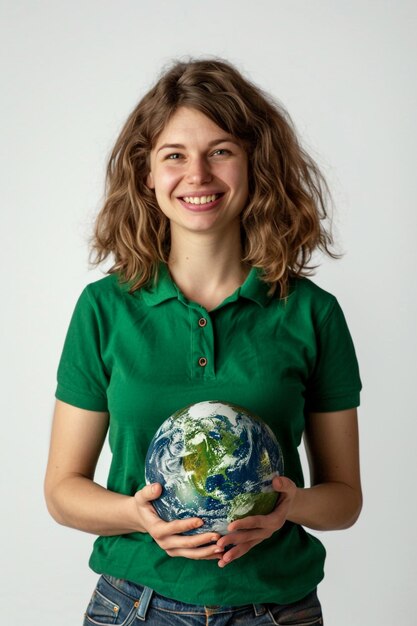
x,y
188,124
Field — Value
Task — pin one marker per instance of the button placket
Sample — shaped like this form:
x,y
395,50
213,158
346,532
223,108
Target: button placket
x,y
203,344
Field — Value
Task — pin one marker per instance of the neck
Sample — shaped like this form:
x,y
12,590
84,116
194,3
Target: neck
x,y
206,270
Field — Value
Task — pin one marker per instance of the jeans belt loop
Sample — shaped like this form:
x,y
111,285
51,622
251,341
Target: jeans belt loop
x,y
144,602
259,609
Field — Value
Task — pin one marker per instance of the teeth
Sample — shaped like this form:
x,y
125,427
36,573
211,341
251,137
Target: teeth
x,y
200,199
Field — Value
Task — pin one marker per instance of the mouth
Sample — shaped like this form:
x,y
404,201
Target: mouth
x,y
199,200
201,203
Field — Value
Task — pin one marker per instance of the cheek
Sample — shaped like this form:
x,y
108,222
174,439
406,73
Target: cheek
x,y
237,174
239,181
165,181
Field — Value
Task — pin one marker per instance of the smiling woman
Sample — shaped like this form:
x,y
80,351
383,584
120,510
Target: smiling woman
x,y
284,219
212,213
203,185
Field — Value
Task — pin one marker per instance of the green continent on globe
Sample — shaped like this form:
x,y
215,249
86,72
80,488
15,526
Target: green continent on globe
x,y
207,455
246,504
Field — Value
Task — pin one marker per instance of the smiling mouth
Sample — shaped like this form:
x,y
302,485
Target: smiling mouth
x,y
201,200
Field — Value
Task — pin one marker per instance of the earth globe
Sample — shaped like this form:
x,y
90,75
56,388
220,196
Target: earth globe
x,y
215,461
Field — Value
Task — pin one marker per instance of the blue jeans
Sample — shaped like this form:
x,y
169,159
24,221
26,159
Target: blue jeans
x,y
120,602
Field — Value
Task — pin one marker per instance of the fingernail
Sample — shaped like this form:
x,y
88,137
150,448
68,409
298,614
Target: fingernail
x,y
218,550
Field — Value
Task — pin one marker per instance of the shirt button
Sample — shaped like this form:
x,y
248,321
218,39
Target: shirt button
x,y
202,322
202,361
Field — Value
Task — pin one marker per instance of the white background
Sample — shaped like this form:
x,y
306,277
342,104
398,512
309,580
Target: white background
x,y
72,72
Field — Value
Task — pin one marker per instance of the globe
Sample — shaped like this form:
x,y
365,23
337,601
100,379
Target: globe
x,y
215,461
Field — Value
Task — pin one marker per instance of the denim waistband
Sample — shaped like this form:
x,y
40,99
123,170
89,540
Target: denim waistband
x,y
143,596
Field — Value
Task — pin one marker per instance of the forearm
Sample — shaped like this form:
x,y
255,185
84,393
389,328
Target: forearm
x,y
326,506
78,502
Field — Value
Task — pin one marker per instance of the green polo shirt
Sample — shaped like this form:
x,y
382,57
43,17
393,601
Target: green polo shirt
x,y
143,356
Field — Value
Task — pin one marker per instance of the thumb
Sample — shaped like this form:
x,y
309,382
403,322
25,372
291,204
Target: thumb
x,y
149,492
282,484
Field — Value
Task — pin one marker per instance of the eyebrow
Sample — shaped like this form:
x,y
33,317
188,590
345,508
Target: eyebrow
x,y
212,143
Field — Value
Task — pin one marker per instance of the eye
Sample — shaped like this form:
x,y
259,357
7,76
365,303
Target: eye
x,y
174,156
221,152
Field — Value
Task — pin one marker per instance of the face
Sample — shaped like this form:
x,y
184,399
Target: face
x,y
199,174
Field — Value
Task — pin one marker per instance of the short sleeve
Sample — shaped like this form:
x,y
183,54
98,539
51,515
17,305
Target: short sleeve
x,y
335,382
82,376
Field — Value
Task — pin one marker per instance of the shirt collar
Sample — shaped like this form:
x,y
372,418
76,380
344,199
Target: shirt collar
x,y
162,289
254,288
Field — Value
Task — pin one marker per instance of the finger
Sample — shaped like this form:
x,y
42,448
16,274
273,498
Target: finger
x,y
254,535
271,521
243,536
210,552
236,552
179,527
256,528
248,523
157,527
282,484
163,534
207,541
148,493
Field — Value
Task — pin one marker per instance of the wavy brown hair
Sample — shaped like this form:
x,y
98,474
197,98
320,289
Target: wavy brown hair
x,y
284,220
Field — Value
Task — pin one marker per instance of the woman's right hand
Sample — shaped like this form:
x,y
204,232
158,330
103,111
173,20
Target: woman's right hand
x,y
75,500
168,535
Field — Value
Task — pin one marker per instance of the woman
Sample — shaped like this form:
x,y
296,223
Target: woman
x,y
212,213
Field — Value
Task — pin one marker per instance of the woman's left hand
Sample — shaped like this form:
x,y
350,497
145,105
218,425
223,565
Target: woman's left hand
x,y
247,532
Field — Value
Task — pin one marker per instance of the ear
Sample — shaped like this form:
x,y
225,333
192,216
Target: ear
x,y
149,181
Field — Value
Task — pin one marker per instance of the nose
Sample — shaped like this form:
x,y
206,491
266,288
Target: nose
x,y
198,171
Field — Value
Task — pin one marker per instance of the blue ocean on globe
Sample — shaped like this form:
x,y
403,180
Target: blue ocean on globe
x,y
215,461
